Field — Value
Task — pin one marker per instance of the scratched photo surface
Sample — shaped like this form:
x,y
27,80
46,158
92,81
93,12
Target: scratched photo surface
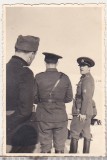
x,y
71,31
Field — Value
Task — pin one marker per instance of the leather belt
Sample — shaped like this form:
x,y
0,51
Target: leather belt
x,y
50,100
75,115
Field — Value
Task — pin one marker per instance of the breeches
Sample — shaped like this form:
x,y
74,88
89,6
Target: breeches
x,y
52,131
78,127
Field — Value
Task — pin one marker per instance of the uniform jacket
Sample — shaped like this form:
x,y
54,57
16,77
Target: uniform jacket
x,y
44,82
19,92
83,99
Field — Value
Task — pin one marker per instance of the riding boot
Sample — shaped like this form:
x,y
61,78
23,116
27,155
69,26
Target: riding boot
x,y
86,146
73,145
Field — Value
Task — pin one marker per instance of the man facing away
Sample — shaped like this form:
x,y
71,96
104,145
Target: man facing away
x,y
82,110
19,91
52,90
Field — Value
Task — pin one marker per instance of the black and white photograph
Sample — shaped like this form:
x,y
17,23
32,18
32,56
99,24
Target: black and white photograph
x,y
54,90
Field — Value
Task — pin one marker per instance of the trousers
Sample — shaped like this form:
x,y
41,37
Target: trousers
x,y
78,127
52,132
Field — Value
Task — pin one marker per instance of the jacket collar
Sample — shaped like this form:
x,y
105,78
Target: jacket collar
x,y
86,75
22,61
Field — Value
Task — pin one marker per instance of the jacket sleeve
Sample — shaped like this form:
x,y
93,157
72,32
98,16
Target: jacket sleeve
x,y
87,94
36,91
69,93
26,94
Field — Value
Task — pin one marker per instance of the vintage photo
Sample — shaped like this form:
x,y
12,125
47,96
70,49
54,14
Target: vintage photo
x,y
54,91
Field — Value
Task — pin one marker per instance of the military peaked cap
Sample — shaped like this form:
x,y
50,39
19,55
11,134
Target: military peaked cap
x,y
27,43
82,61
51,57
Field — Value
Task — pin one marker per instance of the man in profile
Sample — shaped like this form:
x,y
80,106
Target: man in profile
x,y
82,110
19,91
52,90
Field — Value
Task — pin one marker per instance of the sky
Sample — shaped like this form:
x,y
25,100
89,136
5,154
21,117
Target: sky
x,y
68,31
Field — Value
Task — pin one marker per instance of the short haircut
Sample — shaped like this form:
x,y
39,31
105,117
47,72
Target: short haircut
x,y
19,50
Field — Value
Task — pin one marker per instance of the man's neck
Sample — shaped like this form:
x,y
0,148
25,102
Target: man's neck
x,y
21,55
51,66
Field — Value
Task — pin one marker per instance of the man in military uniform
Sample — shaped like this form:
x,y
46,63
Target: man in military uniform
x,y
52,90
19,87
82,110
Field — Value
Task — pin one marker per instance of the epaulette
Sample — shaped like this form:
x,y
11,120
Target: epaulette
x,y
38,74
63,73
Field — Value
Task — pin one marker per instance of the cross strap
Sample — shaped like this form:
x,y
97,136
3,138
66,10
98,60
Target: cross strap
x,y
56,84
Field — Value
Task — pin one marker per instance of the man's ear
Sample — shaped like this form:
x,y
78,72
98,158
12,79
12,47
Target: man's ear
x,y
89,68
30,54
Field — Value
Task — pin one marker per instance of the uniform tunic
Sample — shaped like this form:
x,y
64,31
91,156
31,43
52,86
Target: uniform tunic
x,y
84,103
19,94
52,115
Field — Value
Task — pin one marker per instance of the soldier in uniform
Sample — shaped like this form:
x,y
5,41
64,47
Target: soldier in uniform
x,y
82,110
52,90
19,89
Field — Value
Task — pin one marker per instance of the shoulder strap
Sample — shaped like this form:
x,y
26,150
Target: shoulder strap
x,y
56,84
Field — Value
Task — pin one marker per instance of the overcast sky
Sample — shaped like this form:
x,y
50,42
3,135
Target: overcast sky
x,y
68,31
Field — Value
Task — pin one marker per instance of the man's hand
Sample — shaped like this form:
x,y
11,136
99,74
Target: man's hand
x,y
82,117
